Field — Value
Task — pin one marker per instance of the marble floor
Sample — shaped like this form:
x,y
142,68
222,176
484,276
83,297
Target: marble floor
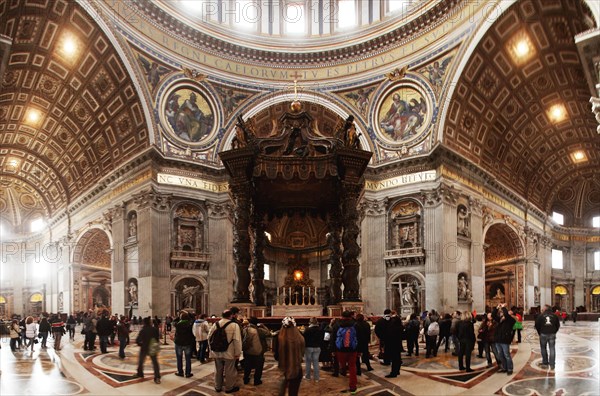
x,y
73,371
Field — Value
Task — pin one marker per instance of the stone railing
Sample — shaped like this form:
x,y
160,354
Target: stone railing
x,y
186,259
404,257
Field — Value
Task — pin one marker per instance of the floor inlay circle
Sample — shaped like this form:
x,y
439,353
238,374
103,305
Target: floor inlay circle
x,y
551,386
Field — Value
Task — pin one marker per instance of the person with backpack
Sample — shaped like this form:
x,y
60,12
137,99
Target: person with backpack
x,y
147,340
184,342
225,344
432,330
363,331
346,343
547,325
518,326
254,346
200,329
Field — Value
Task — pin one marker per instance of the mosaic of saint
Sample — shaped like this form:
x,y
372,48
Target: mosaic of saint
x,y
189,115
402,114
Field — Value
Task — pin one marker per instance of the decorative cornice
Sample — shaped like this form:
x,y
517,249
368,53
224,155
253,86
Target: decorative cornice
x,y
230,49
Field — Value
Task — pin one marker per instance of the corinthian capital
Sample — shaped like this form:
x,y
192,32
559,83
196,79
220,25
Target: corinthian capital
x,y
476,206
153,199
219,210
373,207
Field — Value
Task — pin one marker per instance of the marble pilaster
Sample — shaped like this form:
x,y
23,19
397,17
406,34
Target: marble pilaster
x,y
477,254
373,270
545,254
220,240
113,219
153,236
432,204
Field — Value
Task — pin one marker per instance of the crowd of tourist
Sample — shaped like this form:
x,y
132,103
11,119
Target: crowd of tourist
x,y
340,345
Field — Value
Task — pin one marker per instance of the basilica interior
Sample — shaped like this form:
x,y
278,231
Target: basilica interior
x,y
301,158
294,157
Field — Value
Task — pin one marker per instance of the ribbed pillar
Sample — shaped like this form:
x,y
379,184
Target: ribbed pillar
x,y
373,270
220,244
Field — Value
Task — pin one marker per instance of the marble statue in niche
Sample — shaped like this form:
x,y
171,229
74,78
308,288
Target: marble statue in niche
x,y
133,225
463,226
409,295
463,290
132,289
188,295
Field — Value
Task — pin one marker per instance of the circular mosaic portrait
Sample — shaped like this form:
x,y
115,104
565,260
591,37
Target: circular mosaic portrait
x,y
403,115
189,115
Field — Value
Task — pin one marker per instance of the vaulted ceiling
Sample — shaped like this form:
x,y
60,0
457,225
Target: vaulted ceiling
x,y
90,119
69,113
500,113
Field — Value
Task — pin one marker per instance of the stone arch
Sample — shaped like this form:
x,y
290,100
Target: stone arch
x,y
595,298
562,296
396,285
504,265
3,305
509,236
327,101
92,270
199,300
36,303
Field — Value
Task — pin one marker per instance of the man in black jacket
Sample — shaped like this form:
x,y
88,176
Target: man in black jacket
x,y
184,340
547,325
503,337
104,329
393,344
380,331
